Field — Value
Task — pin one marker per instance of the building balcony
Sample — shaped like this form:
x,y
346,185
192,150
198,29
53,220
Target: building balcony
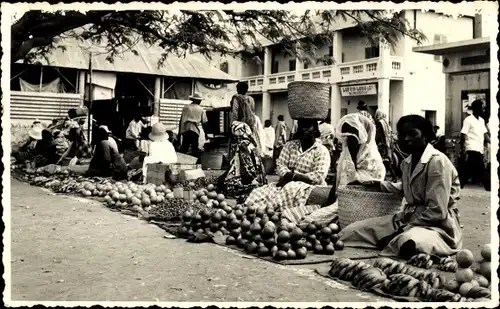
x,y
344,72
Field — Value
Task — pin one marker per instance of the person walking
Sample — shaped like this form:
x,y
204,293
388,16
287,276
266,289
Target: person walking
x,y
192,115
281,137
474,137
363,110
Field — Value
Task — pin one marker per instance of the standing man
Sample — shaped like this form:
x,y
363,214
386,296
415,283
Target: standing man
x,y
134,132
192,115
363,110
268,138
280,137
474,137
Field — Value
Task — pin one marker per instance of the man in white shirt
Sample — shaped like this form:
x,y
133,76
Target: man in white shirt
x,y
268,139
134,131
473,139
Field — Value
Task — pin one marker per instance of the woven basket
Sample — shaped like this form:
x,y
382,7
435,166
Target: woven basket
x,y
308,100
357,203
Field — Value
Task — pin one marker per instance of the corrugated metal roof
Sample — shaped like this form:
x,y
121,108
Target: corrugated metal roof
x,y
76,55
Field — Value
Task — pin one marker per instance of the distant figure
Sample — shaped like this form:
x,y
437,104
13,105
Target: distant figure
x,y
243,110
440,142
192,115
133,132
473,139
268,138
363,110
281,137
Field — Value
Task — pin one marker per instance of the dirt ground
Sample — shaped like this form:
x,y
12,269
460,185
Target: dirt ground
x,y
72,249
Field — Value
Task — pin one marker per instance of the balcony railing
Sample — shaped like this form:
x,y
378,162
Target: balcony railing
x,y
344,72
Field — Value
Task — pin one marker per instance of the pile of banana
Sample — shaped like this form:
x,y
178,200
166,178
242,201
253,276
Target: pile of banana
x,y
364,276
421,260
476,294
66,187
406,285
391,267
447,264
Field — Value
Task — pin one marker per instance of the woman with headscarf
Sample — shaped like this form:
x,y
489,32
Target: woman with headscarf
x,y
303,164
429,222
246,170
384,140
45,150
359,161
242,110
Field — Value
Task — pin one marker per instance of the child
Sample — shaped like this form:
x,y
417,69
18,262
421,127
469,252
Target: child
x,y
60,142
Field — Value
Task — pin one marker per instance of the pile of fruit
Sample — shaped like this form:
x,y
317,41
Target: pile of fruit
x,y
447,264
213,220
200,183
398,279
173,209
466,282
322,238
421,260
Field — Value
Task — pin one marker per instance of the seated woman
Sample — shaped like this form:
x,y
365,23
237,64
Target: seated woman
x,y
45,150
160,149
359,161
105,162
429,222
246,170
302,165
26,151
78,147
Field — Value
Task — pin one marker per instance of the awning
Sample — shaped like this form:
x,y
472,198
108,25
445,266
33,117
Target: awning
x,y
454,47
76,55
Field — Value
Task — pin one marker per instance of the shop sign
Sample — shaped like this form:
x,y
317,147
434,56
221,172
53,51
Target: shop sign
x,y
358,90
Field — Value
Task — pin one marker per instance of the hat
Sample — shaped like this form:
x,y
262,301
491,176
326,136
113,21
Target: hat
x,y
105,128
196,97
35,133
158,133
362,105
37,121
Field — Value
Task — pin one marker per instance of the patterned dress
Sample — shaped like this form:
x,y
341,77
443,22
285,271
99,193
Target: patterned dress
x,y
246,170
291,199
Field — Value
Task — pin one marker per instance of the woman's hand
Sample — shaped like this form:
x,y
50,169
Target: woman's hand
x,y
284,180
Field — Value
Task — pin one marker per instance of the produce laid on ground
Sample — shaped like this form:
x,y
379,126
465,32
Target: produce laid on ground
x,y
398,279
421,260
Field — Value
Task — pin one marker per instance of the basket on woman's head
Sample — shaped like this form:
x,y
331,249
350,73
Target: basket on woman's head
x,y
308,100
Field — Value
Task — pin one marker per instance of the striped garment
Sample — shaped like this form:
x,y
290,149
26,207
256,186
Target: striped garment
x,y
291,199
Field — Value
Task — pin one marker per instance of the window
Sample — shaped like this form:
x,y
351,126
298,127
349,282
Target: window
x,y
372,52
275,67
224,67
330,51
306,65
292,65
439,39
343,57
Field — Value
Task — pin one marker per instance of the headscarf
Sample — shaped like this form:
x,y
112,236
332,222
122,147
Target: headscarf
x,y
241,131
369,162
381,118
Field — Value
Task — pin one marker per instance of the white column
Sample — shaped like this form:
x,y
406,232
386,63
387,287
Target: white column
x,y
384,60
266,106
299,66
337,46
335,104
81,83
268,60
383,95
157,96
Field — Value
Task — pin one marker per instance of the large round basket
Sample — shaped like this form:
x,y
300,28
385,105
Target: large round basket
x,y
308,100
357,203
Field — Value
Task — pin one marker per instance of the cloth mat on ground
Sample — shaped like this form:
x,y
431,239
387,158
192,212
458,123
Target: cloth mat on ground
x,y
323,270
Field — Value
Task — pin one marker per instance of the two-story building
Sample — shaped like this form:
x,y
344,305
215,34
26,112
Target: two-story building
x,y
394,79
